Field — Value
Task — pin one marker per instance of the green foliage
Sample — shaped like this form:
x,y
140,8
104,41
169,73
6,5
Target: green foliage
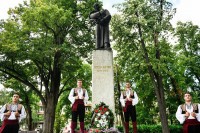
x,y
140,31
187,48
88,116
144,23
43,46
154,129
5,97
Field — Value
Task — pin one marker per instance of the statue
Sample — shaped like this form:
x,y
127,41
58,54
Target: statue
x,y
102,19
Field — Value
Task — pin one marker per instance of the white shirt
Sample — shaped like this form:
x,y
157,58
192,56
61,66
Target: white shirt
x,y
181,117
80,94
134,100
12,116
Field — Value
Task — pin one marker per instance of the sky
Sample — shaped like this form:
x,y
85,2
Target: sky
x,y
187,10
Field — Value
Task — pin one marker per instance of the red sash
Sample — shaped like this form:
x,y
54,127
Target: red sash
x,y
128,103
76,103
8,122
189,122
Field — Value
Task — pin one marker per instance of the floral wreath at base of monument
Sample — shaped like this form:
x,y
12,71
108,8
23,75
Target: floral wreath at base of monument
x,y
102,119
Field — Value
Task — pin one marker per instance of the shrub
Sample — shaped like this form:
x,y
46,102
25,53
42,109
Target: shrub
x,y
153,128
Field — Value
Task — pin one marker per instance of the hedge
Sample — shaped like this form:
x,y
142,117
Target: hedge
x,y
154,128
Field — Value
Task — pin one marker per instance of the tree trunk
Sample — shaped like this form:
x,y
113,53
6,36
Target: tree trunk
x,y
49,114
175,89
58,120
29,118
29,113
52,95
157,83
120,106
160,89
161,104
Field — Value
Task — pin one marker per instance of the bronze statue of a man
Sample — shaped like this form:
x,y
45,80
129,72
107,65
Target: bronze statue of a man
x,y
102,19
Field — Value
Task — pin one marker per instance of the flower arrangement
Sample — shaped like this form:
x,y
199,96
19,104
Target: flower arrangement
x,y
110,130
102,118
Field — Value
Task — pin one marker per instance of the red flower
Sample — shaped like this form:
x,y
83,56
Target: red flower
x,y
96,111
100,108
105,109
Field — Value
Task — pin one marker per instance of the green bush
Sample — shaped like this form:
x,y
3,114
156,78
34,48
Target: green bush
x,y
153,128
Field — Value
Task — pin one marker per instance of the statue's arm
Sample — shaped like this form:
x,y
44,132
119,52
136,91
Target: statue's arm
x,y
95,15
106,17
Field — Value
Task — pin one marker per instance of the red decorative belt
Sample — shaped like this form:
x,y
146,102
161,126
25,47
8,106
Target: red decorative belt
x,y
8,122
76,103
128,103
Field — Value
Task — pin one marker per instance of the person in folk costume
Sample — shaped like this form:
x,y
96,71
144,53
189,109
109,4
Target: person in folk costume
x,y
128,100
11,114
188,115
78,97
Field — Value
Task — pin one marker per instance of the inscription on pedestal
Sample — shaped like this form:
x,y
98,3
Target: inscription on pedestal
x,y
102,68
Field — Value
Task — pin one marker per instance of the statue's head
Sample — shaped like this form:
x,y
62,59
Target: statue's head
x,y
97,6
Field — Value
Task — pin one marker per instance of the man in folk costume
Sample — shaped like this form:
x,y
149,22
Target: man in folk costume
x,y
78,97
11,114
128,100
188,115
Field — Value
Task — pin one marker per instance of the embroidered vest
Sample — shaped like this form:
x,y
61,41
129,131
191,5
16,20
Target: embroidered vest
x,y
131,94
76,92
194,105
8,108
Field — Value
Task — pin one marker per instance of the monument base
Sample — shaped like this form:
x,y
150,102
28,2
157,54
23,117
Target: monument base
x,y
103,78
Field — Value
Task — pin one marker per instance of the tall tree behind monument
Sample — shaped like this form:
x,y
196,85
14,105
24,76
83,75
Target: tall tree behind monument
x,y
42,48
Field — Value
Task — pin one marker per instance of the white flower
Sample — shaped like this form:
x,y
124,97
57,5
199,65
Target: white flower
x,y
107,113
103,116
98,125
99,114
103,124
95,119
100,121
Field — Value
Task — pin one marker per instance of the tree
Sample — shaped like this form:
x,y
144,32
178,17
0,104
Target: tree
x,y
43,45
187,47
141,35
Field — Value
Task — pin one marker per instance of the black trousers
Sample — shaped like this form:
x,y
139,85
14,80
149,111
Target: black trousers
x,y
79,113
130,112
191,126
11,128
194,129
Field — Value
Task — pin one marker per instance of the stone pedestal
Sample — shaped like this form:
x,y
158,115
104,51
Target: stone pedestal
x,y
103,78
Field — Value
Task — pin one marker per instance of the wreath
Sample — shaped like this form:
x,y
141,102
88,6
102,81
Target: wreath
x,y
102,117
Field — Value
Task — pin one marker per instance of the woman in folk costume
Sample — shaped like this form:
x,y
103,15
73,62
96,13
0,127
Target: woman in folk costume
x,y
188,114
11,114
78,97
128,100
